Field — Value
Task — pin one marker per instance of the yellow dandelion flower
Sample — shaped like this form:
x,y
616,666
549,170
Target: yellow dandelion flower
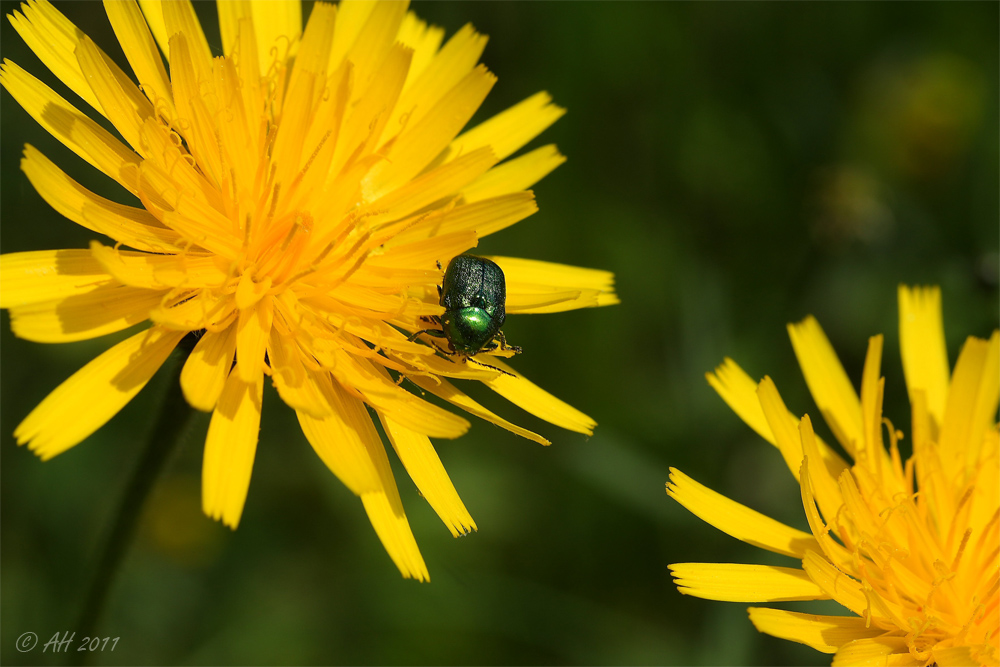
x,y
909,547
297,196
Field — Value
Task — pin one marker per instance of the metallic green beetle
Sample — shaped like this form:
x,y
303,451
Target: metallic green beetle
x,y
474,296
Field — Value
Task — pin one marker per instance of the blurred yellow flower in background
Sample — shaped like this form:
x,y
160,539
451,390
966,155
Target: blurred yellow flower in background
x,y
296,196
909,547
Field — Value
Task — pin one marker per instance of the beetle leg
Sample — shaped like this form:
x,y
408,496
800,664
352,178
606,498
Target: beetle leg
x,y
450,352
503,344
498,370
499,348
433,332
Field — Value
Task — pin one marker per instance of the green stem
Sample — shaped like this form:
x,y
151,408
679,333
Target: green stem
x,y
175,415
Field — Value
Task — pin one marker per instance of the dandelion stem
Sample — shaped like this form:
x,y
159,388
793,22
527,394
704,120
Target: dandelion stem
x,y
166,434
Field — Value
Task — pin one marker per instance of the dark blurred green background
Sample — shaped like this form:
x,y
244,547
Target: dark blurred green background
x,y
738,166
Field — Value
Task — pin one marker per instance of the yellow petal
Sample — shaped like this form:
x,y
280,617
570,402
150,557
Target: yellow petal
x,y
295,385
95,393
921,342
56,41
823,480
179,18
230,448
956,656
170,179
876,651
46,275
351,18
515,175
972,403
155,271
423,39
373,40
739,391
277,27
384,508
522,392
324,119
121,101
483,217
447,67
230,12
249,292
425,252
556,301
417,454
339,437
397,403
251,338
152,10
871,405
833,550
738,520
432,186
936,486
546,287
511,129
250,61
302,93
207,367
53,38
423,141
524,274
188,77
191,310
196,223
786,435
828,383
140,49
871,450
385,511
835,583
823,633
99,311
75,130
134,227
738,582
448,391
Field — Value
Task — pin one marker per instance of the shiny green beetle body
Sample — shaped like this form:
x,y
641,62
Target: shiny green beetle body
x,y
474,297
